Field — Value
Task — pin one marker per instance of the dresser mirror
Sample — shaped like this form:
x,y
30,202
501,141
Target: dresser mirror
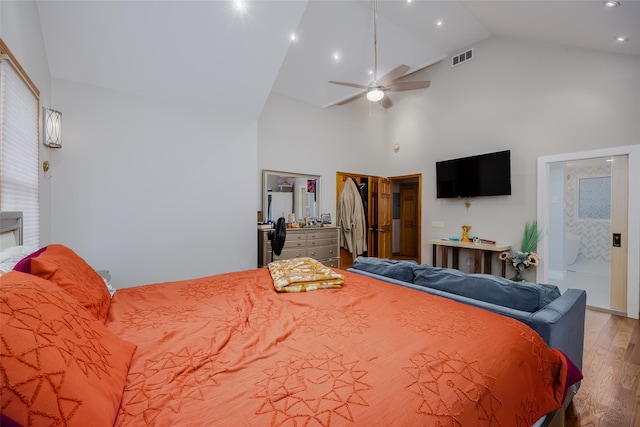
x,y
286,193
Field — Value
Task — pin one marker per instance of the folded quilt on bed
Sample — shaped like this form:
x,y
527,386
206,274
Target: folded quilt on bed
x,y
303,275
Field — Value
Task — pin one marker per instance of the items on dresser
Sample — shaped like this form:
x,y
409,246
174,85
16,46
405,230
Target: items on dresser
x,y
319,243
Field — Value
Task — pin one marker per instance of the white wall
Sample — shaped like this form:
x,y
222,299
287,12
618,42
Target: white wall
x,y
532,98
153,191
295,136
20,30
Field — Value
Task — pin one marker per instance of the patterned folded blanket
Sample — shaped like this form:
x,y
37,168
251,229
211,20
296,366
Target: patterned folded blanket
x,y
303,275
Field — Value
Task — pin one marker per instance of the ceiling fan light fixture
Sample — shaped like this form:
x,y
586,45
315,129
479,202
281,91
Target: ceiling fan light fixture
x,y
375,94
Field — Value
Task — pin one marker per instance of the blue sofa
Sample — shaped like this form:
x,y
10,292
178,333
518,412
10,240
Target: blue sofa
x,y
558,319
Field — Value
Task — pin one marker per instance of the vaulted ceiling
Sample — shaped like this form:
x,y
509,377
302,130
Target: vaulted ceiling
x,y
210,53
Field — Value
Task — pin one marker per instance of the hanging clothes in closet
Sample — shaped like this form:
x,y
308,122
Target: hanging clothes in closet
x,y
352,219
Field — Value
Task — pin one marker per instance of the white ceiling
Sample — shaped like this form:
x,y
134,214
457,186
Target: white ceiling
x,y
206,52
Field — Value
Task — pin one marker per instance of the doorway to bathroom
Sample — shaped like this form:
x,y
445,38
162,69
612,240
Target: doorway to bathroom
x,y
587,203
581,214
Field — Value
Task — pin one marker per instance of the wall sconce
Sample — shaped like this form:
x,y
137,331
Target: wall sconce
x,y
52,128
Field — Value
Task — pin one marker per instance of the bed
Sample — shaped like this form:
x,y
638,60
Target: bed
x,y
229,350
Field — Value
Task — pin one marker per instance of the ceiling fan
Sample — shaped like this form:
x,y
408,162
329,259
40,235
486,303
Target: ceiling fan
x,y
375,91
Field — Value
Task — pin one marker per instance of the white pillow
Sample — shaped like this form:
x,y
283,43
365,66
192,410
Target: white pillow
x,y
11,256
110,288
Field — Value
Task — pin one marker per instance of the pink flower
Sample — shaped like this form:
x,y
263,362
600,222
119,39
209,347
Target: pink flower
x,y
503,256
533,259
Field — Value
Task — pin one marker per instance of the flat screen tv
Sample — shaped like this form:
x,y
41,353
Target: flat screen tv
x,y
483,175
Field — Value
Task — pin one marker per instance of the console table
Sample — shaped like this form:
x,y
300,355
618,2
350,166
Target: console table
x,y
482,254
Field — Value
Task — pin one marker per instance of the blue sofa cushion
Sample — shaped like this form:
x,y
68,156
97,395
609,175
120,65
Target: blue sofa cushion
x,y
399,270
484,287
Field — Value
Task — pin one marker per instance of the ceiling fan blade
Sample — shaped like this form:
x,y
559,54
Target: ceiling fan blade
x,y
396,87
386,102
392,75
346,100
349,84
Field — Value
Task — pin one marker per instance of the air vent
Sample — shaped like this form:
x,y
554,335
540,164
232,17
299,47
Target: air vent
x,y
462,57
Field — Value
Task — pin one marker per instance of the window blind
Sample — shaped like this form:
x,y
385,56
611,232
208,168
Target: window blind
x,y
19,174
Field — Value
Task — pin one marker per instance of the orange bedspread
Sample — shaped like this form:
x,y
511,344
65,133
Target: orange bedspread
x,y
228,350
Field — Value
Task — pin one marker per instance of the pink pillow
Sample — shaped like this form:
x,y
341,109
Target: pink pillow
x,y
66,269
24,265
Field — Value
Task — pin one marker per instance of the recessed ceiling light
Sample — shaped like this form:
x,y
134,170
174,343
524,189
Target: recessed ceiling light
x,y
408,1
370,72
612,3
439,23
292,37
622,39
240,5
336,56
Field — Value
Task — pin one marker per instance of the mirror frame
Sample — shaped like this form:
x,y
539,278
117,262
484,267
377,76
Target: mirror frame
x,y
267,172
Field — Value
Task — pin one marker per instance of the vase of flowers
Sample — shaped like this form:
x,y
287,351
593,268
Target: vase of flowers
x,y
520,262
526,257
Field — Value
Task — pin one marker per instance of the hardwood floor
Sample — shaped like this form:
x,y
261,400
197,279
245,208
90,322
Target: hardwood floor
x,y
610,391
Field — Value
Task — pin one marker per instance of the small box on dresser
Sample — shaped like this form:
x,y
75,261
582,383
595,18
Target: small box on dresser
x,y
320,243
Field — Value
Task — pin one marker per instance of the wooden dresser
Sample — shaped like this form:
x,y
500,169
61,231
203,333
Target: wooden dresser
x,y
320,243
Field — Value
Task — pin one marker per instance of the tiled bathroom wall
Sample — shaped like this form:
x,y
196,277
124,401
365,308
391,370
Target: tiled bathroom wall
x,y
587,212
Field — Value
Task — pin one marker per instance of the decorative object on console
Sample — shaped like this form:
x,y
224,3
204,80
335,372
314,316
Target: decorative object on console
x,y
526,257
520,261
465,233
52,128
531,237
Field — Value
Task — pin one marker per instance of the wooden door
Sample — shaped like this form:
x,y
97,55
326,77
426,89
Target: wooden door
x,y
409,220
378,211
384,217
619,237
415,233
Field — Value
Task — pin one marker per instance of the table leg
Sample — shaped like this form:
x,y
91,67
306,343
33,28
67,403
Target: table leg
x,y
456,257
434,256
487,262
445,257
503,269
477,261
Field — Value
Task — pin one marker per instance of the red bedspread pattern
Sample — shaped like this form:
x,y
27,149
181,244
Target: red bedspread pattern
x,y
229,350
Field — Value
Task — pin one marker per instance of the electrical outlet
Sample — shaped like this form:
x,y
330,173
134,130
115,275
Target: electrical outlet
x,y
437,224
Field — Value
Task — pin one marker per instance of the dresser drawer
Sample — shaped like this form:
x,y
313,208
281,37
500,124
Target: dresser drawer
x,y
296,236
288,254
333,263
322,234
331,241
290,244
322,252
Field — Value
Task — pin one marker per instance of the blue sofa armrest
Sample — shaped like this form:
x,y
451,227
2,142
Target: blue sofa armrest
x,y
561,324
